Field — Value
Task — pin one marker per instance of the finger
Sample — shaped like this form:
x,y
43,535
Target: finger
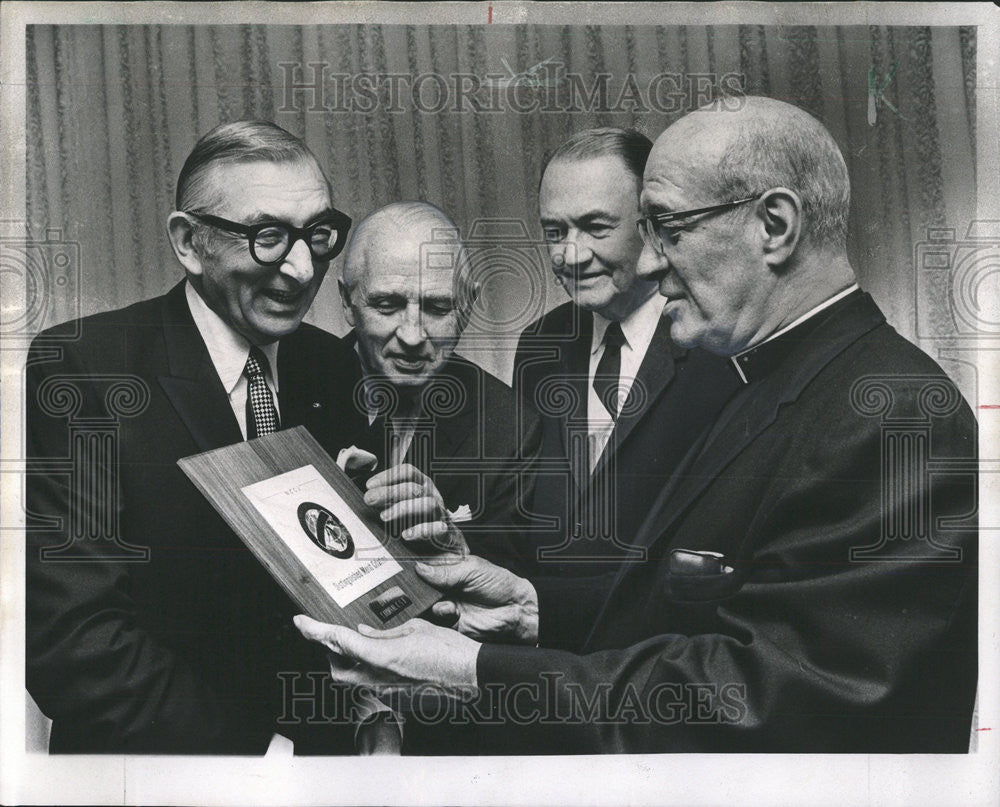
x,y
413,511
445,610
437,532
357,675
357,459
449,572
336,638
445,559
386,495
312,629
395,475
389,633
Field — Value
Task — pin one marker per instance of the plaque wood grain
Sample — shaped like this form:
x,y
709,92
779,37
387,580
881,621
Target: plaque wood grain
x,y
221,474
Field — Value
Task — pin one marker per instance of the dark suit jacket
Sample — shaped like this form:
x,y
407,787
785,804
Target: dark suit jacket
x,y
174,646
801,645
675,395
478,442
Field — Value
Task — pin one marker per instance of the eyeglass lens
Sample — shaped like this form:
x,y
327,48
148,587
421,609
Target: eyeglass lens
x,y
274,242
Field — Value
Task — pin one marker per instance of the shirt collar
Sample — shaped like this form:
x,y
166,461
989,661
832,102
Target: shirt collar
x,y
227,349
637,328
758,360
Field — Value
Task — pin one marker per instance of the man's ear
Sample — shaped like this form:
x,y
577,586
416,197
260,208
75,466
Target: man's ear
x,y
345,301
781,216
181,234
467,294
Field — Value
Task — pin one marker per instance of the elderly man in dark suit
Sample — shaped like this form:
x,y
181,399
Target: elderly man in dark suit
x,y
407,291
150,627
620,402
810,582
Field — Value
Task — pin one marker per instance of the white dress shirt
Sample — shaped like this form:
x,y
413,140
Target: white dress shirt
x,y
229,351
638,329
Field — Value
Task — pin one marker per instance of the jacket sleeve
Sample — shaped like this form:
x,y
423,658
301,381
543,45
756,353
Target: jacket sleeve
x,y
91,666
812,652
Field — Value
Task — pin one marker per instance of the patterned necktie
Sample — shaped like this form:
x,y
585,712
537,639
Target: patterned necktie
x,y
262,417
609,369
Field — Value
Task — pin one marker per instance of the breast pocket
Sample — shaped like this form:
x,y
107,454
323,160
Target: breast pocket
x,y
699,576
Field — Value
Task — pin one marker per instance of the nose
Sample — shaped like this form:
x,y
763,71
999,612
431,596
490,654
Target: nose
x,y
573,251
411,331
651,264
298,263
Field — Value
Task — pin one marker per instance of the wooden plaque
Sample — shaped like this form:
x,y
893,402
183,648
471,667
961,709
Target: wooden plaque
x,y
307,522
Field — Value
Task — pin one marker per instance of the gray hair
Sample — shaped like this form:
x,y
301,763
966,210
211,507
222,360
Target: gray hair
x,y
630,145
402,218
236,142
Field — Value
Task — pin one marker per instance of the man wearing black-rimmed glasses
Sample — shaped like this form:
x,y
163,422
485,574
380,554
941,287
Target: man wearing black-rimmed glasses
x,y
150,627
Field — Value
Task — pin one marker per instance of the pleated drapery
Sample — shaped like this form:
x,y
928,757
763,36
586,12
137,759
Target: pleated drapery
x,y
112,112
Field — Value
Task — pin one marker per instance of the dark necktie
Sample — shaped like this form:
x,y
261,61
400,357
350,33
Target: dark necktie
x,y
262,417
609,369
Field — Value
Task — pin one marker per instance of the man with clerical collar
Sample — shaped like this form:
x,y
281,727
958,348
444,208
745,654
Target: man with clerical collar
x,y
638,399
808,585
407,291
151,628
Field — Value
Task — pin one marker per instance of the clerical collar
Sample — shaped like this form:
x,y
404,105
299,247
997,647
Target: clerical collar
x,y
760,359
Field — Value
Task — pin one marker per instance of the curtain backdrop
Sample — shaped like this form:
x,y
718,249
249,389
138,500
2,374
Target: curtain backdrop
x,y
114,110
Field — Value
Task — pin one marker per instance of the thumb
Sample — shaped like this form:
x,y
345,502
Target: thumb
x,y
389,633
338,639
449,573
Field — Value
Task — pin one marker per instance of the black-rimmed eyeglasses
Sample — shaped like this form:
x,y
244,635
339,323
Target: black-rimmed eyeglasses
x,y
659,229
271,241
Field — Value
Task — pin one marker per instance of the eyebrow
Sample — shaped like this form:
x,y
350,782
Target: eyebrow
x,y
260,217
653,208
589,216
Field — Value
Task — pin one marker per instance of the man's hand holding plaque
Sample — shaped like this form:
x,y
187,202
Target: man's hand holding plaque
x,y
484,602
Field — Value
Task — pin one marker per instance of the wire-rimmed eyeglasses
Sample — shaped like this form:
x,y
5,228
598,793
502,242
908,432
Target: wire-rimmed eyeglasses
x,y
656,229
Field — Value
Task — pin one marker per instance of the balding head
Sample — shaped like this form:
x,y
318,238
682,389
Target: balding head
x,y
766,240
400,227
406,290
765,144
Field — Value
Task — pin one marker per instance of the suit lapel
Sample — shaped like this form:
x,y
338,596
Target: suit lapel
x,y
577,370
192,385
655,374
747,415
755,409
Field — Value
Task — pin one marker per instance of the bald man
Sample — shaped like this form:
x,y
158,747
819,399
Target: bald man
x,y
809,585
406,291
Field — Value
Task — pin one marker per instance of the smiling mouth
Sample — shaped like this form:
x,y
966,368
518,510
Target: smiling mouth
x,y
404,363
579,277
